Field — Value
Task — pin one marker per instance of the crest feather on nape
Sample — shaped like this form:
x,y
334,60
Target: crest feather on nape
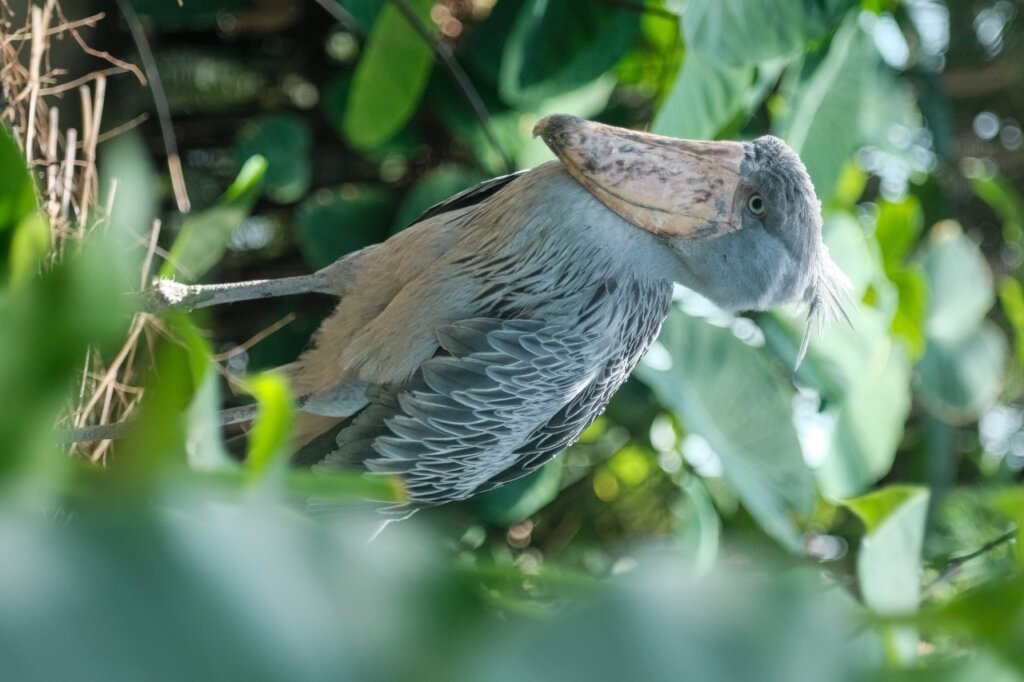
x,y
827,298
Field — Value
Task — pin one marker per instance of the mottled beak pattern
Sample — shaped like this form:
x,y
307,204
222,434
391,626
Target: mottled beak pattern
x,y
670,187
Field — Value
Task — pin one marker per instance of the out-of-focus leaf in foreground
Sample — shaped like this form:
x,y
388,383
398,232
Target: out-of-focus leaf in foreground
x,y
889,558
204,235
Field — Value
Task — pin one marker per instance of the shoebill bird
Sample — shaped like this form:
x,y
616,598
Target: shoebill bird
x,y
471,348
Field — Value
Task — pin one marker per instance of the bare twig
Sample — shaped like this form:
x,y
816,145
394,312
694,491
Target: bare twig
x,y
457,73
163,110
256,338
954,564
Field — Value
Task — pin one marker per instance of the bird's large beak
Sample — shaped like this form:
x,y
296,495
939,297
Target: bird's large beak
x,y
666,186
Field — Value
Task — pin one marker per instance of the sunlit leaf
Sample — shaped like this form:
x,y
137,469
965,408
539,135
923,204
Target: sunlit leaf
x,y
962,369
959,377
822,123
739,32
704,98
731,395
17,192
960,281
204,236
888,564
28,247
862,381
1011,295
390,77
271,431
17,203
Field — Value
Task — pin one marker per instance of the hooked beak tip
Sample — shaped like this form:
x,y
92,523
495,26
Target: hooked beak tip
x,y
553,124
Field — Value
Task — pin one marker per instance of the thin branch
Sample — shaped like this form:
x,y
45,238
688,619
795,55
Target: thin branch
x,y
954,564
256,338
341,15
87,78
457,73
163,110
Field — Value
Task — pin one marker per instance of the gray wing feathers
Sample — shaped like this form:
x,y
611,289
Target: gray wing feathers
x,y
458,423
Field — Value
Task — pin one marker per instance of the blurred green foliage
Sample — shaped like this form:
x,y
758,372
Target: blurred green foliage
x,y
728,517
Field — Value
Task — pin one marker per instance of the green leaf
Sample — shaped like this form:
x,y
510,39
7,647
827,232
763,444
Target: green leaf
x,y
960,281
157,438
963,366
560,45
889,561
739,32
390,77
331,223
335,487
270,436
524,497
1011,295
705,97
46,324
17,198
876,507
822,123
733,396
204,235
1010,501
698,526
897,228
1005,200
960,377
28,247
285,142
17,192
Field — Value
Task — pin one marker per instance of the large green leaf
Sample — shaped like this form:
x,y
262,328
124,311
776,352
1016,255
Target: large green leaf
x,y
889,561
390,77
520,499
204,236
741,32
733,396
959,377
861,377
823,120
960,280
17,205
560,45
285,141
331,223
963,365
46,324
705,97
17,192
272,429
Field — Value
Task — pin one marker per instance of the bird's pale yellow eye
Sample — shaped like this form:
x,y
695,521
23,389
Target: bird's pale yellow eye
x,y
756,205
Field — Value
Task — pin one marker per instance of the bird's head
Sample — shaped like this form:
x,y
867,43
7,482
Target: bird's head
x,y
742,217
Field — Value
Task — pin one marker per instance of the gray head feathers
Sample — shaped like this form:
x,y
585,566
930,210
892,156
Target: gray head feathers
x,y
826,296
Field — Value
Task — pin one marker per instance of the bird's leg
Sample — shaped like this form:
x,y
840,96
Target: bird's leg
x,y
168,294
